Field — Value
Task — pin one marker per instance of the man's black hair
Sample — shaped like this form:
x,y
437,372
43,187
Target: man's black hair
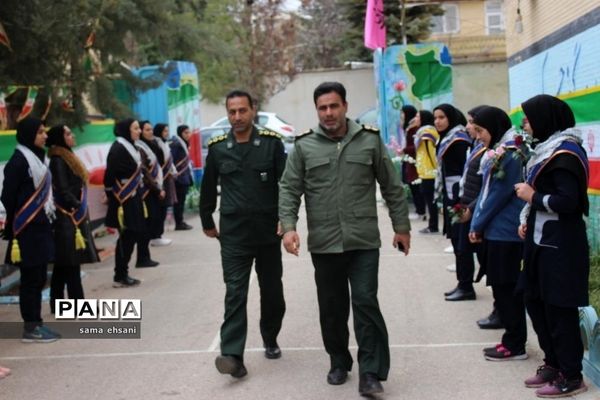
x,y
239,93
328,87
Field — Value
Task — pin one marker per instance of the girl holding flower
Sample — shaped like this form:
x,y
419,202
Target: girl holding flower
x,y
495,222
556,258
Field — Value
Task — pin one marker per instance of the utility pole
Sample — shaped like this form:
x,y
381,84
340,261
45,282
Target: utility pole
x,y
402,22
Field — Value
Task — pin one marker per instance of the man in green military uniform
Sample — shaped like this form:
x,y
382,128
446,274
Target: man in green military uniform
x,y
249,163
335,166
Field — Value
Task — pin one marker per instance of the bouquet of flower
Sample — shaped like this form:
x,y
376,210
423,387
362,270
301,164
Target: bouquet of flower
x,y
456,212
522,151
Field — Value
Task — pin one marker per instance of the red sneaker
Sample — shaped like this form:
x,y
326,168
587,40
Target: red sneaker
x,y
562,388
545,374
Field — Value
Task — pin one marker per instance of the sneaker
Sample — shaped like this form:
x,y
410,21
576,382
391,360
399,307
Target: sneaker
x,y
492,349
545,374
503,354
427,231
40,334
160,242
451,268
562,388
449,249
413,216
126,282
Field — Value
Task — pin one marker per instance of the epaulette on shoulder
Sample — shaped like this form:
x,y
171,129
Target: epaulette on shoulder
x,y
217,139
370,128
266,132
303,134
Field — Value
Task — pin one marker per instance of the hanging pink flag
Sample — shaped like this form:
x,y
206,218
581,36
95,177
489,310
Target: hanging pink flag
x,y
374,26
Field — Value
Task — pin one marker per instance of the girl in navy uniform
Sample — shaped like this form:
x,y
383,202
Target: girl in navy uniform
x,y
556,248
451,157
495,222
152,193
123,186
73,241
27,198
183,177
163,153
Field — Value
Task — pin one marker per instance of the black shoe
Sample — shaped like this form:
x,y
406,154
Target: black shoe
x,y
369,384
448,293
183,227
337,376
272,351
491,322
461,294
231,365
147,264
126,282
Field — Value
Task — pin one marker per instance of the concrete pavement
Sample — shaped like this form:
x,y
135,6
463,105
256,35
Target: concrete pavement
x,y
435,345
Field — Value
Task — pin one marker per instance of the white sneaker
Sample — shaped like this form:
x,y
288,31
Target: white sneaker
x,y
413,216
160,242
451,268
449,249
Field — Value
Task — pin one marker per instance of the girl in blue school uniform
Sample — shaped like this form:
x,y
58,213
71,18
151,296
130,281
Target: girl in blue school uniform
x,y
495,223
556,258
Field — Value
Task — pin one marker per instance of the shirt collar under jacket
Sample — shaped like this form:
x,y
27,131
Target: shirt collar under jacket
x,y
353,129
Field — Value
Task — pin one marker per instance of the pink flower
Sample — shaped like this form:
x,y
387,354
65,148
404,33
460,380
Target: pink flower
x,y
491,153
400,86
500,150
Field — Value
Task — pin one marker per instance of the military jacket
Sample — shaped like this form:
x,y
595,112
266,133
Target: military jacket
x,y
249,174
338,181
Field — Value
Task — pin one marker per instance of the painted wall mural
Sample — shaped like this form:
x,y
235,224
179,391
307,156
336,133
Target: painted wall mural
x,y
568,70
416,74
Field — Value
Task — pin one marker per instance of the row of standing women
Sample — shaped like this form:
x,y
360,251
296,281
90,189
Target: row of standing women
x,y
46,208
521,212
144,177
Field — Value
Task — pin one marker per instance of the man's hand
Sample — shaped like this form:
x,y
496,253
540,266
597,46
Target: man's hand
x,y
524,192
475,237
211,233
522,231
404,240
291,242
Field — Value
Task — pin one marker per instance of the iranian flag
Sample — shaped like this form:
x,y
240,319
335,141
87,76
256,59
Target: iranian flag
x,y
3,112
28,106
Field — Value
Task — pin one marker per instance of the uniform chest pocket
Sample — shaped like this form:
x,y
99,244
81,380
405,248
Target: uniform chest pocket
x,y
263,171
318,171
227,167
359,169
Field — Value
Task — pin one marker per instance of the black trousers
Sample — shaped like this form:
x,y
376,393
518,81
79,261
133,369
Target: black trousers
x,y
428,192
558,334
33,279
69,275
237,265
178,207
511,310
463,255
123,251
336,276
418,199
159,227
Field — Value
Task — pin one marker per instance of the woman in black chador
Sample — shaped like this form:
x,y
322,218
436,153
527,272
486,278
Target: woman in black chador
x,y
27,198
183,177
123,186
556,254
73,242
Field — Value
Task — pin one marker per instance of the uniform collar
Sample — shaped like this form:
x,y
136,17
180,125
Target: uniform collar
x,y
353,129
254,138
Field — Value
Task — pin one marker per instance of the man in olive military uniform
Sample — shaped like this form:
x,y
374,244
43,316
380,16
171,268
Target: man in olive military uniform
x,y
249,163
335,166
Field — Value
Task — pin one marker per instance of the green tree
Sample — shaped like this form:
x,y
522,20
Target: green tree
x,y
418,25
